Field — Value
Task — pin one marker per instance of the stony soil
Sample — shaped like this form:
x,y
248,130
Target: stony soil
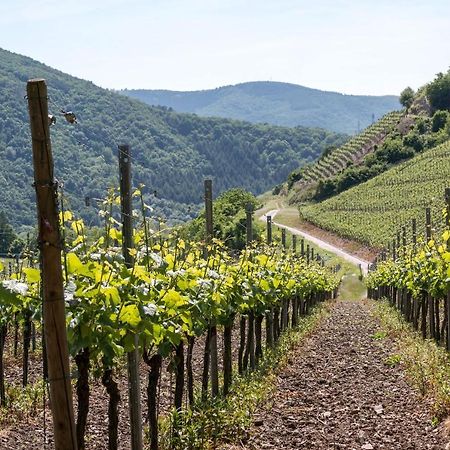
x,y
32,428
339,392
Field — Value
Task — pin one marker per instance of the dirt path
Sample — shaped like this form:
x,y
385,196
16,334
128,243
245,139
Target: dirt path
x,y
339,393
319,242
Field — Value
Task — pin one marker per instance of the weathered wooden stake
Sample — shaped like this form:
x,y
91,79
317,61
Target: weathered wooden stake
x,y
404,240
209,211
134,391
294,243
428,224
447,201
283,237
269,229
249,224
414,233
52,277
213,327
447,303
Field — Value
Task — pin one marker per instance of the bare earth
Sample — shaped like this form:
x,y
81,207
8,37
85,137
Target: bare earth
x,y
339,393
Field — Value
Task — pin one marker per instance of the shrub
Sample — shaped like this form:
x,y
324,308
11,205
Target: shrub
x,y
407,97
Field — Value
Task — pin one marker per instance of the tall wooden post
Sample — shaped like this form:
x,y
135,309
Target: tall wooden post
x,y
447,201
307,253
52,277
302,247
447,305
269,229
428,223
283,237
294,243
249,224
213,327
404,240
134,391
209,211
414,233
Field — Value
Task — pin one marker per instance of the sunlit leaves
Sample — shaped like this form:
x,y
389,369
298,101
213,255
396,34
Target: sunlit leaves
x,y
129,315
75,266
32,275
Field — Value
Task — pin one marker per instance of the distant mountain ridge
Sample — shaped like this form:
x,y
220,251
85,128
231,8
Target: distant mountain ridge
x,y
276,103
172,153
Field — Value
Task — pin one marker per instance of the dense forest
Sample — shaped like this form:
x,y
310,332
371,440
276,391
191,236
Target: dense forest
x,y
172,153
276,103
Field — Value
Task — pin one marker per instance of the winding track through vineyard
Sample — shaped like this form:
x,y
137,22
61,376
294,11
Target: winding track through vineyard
x,y
319,242
338,392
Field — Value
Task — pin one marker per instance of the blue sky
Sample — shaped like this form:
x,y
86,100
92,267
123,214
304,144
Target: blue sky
x,y
355,47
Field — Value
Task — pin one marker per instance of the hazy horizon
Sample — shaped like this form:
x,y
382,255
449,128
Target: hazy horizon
x,y
362,48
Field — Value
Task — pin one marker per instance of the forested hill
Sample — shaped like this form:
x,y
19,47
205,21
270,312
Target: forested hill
x,y
173,152
276,103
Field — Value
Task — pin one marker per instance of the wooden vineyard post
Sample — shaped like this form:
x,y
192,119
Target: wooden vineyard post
x,y
249,224
428,224
447,217
302,248
51,276
415,302
283,238
294,243
209,211
269,229
134,391
447,299
213,327
404,240
430,301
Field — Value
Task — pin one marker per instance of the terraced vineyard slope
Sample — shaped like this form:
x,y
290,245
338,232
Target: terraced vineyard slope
x,y
374,212
351,153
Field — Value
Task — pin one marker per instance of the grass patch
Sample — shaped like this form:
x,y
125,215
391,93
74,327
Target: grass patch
x,y
228,420
352,287
269,202
427,366
393,360
21,402
379,335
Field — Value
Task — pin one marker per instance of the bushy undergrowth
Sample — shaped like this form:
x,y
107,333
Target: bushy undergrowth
x,y
21,402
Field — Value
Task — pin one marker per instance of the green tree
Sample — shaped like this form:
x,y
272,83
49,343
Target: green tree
x,y
407,97
229,216
440,119
438,92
